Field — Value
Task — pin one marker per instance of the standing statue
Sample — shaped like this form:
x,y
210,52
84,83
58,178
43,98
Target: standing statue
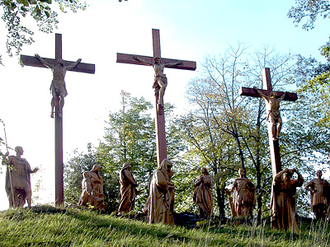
x,y
319,189
159,204
18,182
285,199
127,189
58,87
243,199
203,194
273,113
160,79
92,189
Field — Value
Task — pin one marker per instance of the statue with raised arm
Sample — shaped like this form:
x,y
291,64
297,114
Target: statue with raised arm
x,y
18,181
285,199
203,194
58,87
319,188
243,199
273,113
92,189
127,189
160,79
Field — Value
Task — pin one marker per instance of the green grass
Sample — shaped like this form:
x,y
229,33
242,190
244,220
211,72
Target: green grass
x,y
49,226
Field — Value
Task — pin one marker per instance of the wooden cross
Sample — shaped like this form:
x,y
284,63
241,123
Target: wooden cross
x,y
267,89
273,144
81,67
160,119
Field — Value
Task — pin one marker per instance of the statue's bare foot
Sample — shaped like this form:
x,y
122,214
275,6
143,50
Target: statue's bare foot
x,y
60,114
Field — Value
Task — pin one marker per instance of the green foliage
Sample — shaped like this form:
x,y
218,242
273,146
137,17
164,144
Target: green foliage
x,y
49,226
310,10
82,162
41,11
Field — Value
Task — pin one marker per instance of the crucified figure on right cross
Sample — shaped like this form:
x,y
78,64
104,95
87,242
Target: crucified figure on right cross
x,y
273,113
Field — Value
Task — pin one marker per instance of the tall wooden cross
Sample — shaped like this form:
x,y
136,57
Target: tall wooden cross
x,y
273,144
81,67
160,119
267,89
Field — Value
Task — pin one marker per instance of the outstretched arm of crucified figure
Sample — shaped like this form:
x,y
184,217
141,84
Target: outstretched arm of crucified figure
x,y
173,64
142,61
71,66
43,61
261,94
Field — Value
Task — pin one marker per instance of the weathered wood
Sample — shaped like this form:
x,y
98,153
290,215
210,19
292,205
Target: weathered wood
x,y
245,91
129,58
160,119
81,67
34,62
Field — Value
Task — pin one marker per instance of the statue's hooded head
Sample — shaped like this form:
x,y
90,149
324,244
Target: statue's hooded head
x,y
319,174
205,171
241,172
288,174
96,168
165,167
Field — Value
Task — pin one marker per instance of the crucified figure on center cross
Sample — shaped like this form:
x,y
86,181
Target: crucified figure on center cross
x,y
58,87
273,113
160,79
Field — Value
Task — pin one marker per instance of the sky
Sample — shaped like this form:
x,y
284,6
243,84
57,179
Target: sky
x,y
189,30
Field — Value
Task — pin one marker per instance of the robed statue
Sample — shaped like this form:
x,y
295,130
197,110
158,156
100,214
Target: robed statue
x,y
203,194
127,189
160,195
92,189
18,181
285,199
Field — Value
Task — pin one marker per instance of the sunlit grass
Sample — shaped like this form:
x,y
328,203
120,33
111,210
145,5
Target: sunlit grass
x,y
49,226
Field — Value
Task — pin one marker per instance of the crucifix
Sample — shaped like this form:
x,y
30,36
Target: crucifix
x,y
272,99
160,83
59,67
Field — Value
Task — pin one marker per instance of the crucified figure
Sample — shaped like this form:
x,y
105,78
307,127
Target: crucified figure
x,y
160,79
273,113
58,87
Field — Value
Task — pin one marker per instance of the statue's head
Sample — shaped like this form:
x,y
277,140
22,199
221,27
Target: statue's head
x,y
157,60
61,62
288,174
319,174
127,165
96,168
19,150
241,172
205,171
166,166
272,95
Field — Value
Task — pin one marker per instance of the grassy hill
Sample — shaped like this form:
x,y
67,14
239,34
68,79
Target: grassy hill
x,y
50,226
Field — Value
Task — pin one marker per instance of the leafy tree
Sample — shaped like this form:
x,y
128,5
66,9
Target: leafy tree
x,y
228,131
82,162
41,11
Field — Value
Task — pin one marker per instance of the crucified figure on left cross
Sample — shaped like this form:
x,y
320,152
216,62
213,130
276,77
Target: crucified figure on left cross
x,y
58,87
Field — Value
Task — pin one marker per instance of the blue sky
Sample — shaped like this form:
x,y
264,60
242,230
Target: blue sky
x,y
189,30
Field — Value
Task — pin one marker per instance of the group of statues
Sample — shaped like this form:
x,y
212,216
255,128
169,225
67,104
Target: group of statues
x,y
160,203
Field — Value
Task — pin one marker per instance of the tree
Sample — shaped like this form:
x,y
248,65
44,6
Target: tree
x,y
41,11
228,131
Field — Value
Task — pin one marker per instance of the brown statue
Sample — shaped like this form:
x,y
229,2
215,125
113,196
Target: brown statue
x,y
203,194
160,79
92,189
18,182
319,188
273,113
285,199
159,201
243,199
127,189
58,87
